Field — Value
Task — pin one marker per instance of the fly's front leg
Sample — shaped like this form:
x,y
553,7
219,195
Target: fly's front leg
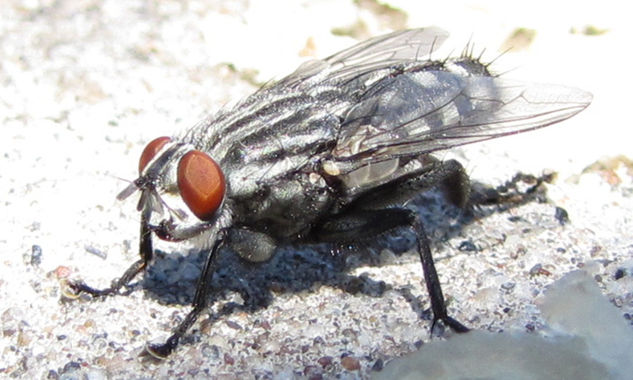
x,y
357,223
146,252
200,302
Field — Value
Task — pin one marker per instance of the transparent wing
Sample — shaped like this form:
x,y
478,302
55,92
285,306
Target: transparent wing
x,y
370,55
421,112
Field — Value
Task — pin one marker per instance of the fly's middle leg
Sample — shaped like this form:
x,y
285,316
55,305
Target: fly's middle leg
x,y
378,211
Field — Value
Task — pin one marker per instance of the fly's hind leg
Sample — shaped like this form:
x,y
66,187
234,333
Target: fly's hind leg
x,y
379,210
358,223
433,286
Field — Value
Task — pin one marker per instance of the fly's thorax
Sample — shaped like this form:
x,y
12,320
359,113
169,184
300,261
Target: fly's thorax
x,y
285,207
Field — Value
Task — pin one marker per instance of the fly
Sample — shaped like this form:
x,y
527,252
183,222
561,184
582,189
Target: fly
x,y
330,153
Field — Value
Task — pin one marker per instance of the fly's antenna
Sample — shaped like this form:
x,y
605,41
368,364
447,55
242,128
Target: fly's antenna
x,y
120,178
130,189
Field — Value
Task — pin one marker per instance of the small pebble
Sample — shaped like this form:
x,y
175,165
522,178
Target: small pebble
x,y
228,359
350,363
325,361
95,251
467,246
36,255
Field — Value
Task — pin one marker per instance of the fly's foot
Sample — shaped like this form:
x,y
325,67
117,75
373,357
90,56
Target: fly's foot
x,y
162,351
69,289
451,322
72,290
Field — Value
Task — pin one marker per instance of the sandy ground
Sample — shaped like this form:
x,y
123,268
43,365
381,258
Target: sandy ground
x,y
85,84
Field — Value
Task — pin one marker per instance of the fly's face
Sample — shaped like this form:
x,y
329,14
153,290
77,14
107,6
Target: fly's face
x,y
182,189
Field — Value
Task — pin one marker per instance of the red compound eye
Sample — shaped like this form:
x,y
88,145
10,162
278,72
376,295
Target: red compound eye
x,y
150,151
201,184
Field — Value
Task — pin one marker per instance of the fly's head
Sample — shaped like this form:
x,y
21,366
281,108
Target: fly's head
x,y
182,189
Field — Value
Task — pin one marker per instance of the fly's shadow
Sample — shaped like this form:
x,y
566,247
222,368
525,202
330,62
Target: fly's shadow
x,y
172,277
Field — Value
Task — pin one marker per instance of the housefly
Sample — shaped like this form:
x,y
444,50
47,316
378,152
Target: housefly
x,y
330,153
